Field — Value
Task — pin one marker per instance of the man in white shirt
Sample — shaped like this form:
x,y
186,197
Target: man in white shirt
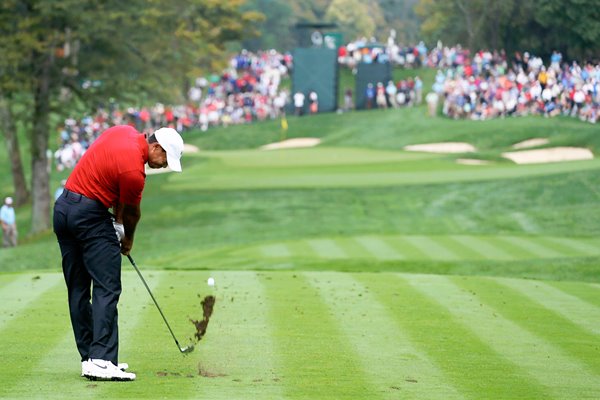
x,y
299,103
9,224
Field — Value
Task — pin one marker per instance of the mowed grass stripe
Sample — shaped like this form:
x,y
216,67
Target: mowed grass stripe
x,y
431,247
237,355
326,248
530,244
352,249
378,248
405,247
581,246
489,249
560,246
60,368
460,245
304,331
576,364
388,357
32,333
6,279
148,346
547,364
569,307
275,250
587,292
493,248
22,291
469,364
301,249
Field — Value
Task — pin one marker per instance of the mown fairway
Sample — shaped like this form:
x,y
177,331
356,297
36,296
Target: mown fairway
x,y
349,270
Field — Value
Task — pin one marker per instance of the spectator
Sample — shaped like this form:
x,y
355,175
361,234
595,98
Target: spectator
x,y
390,91
9,223
313,99
348,102
432,103
381,97
299,103
418,90
370,95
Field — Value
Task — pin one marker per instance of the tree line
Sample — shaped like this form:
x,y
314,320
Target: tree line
x,y
539,26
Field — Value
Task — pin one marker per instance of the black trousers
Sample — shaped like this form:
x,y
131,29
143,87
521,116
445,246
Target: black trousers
x,y
90,254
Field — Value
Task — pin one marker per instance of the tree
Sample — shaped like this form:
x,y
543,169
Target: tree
x,y
275,29
461,21
538,26
572,26
354,17
400,16
125,48
12,146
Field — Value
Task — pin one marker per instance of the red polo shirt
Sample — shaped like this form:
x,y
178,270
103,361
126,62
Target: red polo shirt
x,y
112,169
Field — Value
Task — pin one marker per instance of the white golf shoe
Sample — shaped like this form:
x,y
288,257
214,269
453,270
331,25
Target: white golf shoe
x,y
84,367
95,369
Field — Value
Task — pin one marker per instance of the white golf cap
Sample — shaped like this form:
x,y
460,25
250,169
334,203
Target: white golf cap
x,y
171,141
8,200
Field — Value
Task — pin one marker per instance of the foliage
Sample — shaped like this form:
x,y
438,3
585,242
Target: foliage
x,y
353,16
539,26
59,52
375,17
400,16
276,31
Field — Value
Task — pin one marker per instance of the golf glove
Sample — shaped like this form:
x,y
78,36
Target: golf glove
x,y
119,230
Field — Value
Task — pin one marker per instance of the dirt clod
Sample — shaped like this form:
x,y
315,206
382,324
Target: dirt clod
x,y
208,304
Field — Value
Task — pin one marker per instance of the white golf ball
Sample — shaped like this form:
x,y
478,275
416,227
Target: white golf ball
x,y
211,281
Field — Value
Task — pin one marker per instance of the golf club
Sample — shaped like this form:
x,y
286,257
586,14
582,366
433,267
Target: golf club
x,y
184,350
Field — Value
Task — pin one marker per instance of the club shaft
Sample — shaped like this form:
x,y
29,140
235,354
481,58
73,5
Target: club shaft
x,y
153,299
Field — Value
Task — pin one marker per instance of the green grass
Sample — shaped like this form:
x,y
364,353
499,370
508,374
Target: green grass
x,y
350,270
302,335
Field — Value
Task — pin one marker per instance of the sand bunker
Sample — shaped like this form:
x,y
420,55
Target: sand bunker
x,y
292,144
530,143
471,161
187,148
445,147
190,148
553,154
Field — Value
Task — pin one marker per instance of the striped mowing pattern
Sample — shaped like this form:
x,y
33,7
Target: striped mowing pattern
x,y
441,248
63,359
326,335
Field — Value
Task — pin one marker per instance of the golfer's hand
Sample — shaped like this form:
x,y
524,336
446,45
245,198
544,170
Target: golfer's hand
x,y
120,230
126,245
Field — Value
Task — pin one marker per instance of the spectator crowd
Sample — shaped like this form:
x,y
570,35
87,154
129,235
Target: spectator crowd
x,y
487,85
481,85
248,90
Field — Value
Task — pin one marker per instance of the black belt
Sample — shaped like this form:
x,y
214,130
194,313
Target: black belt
x,y
81,198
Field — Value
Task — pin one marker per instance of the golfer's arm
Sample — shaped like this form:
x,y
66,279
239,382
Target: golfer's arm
x,y
130,215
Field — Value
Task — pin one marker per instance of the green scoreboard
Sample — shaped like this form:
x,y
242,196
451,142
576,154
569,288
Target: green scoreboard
x,y
316,69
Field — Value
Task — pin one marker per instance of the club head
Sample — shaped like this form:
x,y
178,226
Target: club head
x,y
187,349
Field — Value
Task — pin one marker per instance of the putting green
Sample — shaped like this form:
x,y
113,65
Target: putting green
x,y
287,334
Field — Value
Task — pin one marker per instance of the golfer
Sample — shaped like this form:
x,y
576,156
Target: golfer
x,y
109,175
